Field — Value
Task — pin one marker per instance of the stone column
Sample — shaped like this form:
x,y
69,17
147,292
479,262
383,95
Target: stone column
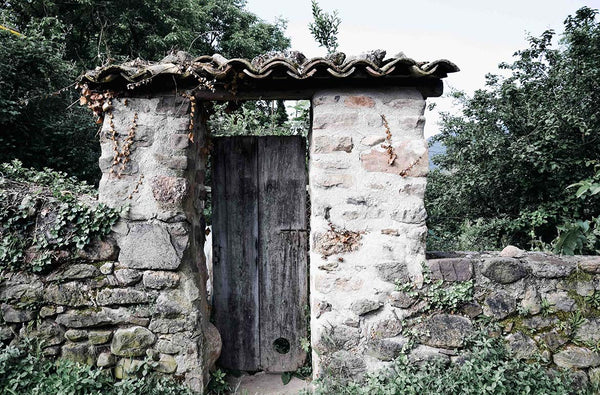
x,y
368,162
152,168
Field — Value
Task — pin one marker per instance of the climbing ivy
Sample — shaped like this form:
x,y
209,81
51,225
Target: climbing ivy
x,y
45,214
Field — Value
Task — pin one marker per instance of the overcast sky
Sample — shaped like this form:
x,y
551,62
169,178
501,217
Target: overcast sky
x,y
474,34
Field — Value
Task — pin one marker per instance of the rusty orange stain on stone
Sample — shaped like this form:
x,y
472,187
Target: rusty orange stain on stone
x,y
359,101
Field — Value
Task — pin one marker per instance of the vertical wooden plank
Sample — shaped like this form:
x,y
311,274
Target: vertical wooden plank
x,y
282,251
235,241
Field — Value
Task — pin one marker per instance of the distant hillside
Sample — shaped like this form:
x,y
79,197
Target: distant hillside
x,y
436,149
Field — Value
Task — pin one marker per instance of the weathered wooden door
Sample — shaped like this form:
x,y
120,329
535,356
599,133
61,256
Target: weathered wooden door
x,y
260,251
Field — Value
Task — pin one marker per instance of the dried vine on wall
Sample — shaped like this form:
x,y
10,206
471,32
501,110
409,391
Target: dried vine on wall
x,y
388,142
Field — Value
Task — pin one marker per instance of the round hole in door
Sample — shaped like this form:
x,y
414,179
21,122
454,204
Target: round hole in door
x,y
281,345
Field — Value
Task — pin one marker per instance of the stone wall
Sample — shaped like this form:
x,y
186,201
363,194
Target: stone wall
x,y
143,291
368,162
544,306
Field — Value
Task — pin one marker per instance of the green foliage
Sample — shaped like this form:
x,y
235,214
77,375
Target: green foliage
x,y
440,295
23,370
99,32
71,224
260,118
324,28
487,368
518,144
581,236
547,308
40,124
217,384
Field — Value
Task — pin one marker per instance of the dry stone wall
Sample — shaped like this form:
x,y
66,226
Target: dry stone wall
x,y
142,292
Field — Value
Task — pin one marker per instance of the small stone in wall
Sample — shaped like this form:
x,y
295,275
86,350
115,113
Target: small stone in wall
x,y
131,342
99,337
100,250
512,252
548,266
126,367
12,315
521,346
499,305
47,311
576,357
413,215
321,307
471,310
329,144
169,190
539,322
120,296
504,270
561,301
553,340
589,331
351,320
411,160
392,271
384,324
74,272
422,353
445,330
387,349
531,302
105,360
451,269
401,300
345,364
107,268
170,325
47,333
127,276
589,264
364,306
72,294
334,338
22,292
166,364
79,352
76,335
337,241
335,180
160,279
372,140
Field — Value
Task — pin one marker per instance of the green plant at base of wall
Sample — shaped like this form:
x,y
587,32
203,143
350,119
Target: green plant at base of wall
x,y
486,367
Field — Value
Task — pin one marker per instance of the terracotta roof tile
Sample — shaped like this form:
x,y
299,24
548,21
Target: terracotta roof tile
x,y
281,67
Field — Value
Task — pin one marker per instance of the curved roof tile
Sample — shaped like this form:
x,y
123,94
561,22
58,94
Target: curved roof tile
x,y
276,66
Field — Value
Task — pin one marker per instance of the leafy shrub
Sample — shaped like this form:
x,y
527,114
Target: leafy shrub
x,y
23,370
72,219
486,367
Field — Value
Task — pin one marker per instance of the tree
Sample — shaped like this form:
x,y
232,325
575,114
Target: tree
x,y
518,144
325,27
38,123
62,39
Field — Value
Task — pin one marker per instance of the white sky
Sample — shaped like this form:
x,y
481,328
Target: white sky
x,y
474,34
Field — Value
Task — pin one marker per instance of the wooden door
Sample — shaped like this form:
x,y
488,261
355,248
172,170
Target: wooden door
x,y
260,247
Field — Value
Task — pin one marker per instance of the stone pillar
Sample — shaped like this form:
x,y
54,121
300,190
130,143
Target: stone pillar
x,y
368,163
152,168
